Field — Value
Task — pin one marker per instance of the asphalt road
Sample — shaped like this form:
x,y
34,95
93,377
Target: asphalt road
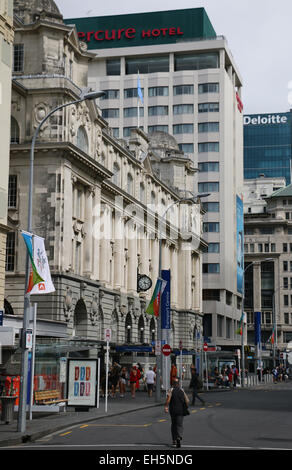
x,y
235,420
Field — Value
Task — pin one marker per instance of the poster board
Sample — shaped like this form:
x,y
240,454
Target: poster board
x,y
82,382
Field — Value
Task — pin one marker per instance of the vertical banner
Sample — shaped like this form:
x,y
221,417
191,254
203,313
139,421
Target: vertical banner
x,y
257,328
240,243
166,325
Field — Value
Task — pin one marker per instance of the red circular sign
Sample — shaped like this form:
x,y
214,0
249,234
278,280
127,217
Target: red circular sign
x,y
166,350
205,347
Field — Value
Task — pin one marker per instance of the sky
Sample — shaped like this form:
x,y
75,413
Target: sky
x,y
259,35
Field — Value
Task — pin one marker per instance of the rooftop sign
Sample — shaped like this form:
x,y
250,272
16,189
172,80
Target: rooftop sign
x,y
141,29
264,119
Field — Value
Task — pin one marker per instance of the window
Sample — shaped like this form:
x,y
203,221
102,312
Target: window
x,y
82,139
142,192
183,129
267,247
208,166
285,265
208,127
130,183
113,67
183,90
77,257
158,110
214,248
111,95
208,107
211,227
158,128
211,206
110,113
158,91
285,247
127,130
251,247
12,192
18,58
116,174
196,61
285,282
208,88
220,323
210,186
208,147
260,247
211,268
14,131
211,294
286,318
10,252
116,132
286,300
273,247
133,112
183,109
147,64
186,148
132,92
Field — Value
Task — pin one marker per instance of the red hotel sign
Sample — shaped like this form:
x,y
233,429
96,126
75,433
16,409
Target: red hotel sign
x,y
129,33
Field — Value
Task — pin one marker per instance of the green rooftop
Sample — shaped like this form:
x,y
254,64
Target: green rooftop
x,y
282,192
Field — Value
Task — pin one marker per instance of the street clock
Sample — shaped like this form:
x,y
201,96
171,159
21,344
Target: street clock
x,y
144,283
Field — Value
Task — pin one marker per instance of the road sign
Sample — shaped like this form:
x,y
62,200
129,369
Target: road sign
x,y
108,335
158,348
205,347
166,350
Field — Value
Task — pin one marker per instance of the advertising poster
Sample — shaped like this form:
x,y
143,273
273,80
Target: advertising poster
x,y
82,382
240,242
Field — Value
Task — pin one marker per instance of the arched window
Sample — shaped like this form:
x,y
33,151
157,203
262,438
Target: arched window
x,y
82,139
80,319
130,183
14,131
117,174
114,327
141,330
128,328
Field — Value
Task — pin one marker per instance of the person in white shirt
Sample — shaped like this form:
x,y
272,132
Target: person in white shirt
x,y
150,381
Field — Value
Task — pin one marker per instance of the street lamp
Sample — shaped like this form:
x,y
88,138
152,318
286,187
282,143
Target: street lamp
x,y
192,200
24,358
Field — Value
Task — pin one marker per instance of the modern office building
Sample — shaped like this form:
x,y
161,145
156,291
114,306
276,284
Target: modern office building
x,y
6,42
267,146
191,89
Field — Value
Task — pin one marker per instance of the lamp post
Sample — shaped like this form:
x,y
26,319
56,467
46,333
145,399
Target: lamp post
x,y
159,374
242,339
21,426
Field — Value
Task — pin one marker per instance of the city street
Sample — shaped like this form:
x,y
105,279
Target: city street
x,y
232,420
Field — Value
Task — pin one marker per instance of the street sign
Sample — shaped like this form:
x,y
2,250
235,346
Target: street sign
x,y
166,350
205,347
108,335
158,348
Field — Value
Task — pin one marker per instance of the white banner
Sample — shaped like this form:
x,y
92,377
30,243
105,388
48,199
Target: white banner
x,y
42,265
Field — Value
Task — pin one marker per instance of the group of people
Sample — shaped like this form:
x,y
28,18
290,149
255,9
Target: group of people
x,y
119,378
280,373
228,376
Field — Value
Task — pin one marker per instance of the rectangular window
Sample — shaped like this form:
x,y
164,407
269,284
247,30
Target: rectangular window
x,y
210,186
18,58
273,247
183,129
110,113
267,247
206,60
158,128
260,247
113,67
285,247
183,90
132,92
10,252
251,247
285,265
285,282
286,300
213,248
211,294
111,95
127,130
147,64
186,148
133,112
220,322
208,166
211,227
208,107
12,192
211,206
211,268
208,127
208,147
158,91
157,110
183,109
286,318
208,88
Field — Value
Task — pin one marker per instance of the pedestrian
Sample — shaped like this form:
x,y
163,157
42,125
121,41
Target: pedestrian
x,y
173,373
150,381
235,375
175,406
123,381
134,380
195,385
114,377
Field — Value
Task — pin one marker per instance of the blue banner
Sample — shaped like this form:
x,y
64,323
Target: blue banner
x,y
257,328
134,348
240,244
165,301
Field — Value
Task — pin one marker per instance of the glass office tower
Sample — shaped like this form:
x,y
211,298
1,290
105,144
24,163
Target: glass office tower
x,y
267,145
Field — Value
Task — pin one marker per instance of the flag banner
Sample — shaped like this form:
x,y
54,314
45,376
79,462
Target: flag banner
x,y
40,281
153,307
272,337
140,94
239,330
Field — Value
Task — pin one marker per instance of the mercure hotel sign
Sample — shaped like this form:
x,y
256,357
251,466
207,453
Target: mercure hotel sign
x,y
141,29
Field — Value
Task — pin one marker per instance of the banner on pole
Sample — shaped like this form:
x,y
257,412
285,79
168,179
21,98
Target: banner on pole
x,y
165,301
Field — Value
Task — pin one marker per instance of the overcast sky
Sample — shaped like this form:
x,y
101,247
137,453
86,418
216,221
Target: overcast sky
x,y
259,34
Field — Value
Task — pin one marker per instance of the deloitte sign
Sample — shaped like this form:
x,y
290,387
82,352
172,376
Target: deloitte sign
x,y
265,119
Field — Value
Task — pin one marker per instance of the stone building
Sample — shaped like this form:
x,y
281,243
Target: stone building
x,y
97,201
6,41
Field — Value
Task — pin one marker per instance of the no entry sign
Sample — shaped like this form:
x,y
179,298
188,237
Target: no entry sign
x,y
166,350
205,347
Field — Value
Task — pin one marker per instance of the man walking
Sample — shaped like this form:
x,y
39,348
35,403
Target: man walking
x,y
150,381
175,405
195,386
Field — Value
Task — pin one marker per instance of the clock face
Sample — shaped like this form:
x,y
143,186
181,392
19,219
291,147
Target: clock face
x,y
144,283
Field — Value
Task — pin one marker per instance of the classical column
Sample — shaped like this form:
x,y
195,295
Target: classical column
x,y
96,215
88,245
67,220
